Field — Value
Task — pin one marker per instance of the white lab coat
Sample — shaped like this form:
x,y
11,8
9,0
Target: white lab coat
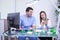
x,y
49,25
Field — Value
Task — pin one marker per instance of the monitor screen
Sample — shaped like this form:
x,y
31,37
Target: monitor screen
x,y
13,19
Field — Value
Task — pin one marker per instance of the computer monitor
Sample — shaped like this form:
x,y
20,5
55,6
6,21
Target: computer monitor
x,y
13,19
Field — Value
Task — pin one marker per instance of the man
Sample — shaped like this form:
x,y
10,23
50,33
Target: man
x,y
27,21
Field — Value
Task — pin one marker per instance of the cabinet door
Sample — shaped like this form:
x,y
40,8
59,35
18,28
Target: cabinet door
x,y
1,27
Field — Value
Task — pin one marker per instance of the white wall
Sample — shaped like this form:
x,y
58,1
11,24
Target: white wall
x,y
9,6
6,6
21,6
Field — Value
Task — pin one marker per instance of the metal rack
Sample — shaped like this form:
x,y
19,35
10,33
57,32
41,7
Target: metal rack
x,y
58,3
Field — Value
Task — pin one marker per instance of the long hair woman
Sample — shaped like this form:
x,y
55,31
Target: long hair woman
x,y
44,21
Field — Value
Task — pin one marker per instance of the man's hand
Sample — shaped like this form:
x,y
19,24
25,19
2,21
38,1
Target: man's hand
x,y
33,26
30,28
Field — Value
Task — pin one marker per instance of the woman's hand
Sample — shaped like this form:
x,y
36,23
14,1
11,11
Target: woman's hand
x,y
42,23
46,22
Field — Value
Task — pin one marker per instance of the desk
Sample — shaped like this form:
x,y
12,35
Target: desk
x,y
25,34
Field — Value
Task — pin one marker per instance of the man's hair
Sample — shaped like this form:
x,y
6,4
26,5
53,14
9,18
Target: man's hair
x,y
28,8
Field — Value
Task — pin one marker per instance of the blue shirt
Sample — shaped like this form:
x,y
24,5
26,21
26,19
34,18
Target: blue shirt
x,y
27,22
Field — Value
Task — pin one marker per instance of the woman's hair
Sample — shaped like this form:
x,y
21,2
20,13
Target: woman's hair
x,y
40,15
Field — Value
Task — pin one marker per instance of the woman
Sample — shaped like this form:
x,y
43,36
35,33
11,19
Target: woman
x,y
44,21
